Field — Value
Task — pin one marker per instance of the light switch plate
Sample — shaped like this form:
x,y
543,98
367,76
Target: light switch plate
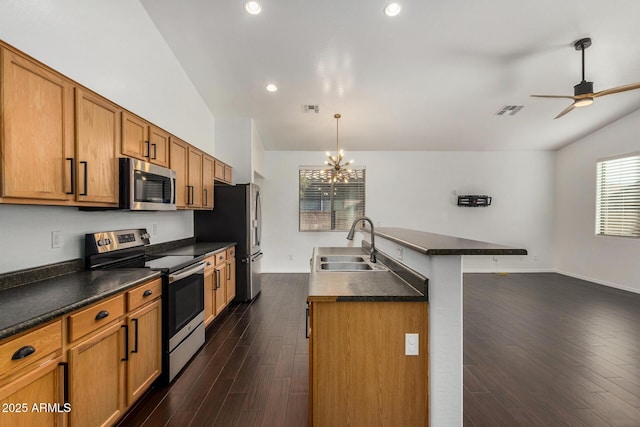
x,y
411,344
56,239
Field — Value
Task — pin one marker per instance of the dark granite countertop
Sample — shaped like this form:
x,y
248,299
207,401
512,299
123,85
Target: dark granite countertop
x,y
358,285
199,248
33,304
440,244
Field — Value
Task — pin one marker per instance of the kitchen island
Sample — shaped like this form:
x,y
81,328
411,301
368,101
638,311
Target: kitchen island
x,y
360,313
440,258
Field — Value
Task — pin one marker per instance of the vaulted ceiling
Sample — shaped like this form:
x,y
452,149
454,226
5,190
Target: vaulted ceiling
x,y
431,78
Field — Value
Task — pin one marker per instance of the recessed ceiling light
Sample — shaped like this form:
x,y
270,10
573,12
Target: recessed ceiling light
x,y
253,7
271,87
392,9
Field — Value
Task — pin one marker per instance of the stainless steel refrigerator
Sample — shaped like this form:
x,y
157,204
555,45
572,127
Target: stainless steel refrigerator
x,y
236,217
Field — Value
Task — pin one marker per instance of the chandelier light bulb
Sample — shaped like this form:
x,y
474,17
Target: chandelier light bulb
x,y
392,9
253,7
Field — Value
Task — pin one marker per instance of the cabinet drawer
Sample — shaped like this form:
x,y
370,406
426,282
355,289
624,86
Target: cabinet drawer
x,y
221,257
30,347
144,294
209,264
94,317
231,252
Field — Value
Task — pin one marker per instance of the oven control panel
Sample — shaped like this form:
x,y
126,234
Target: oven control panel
x,y
109,241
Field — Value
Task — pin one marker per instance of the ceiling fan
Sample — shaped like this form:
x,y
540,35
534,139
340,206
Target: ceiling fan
x,y
583,94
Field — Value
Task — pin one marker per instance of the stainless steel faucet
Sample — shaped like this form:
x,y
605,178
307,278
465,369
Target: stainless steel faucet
x,y
372,258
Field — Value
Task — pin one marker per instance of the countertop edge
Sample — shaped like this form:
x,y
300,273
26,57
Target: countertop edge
x,y
18,328
451,251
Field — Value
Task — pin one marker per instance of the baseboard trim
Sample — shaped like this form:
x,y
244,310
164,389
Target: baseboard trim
x,y
476,270
600,282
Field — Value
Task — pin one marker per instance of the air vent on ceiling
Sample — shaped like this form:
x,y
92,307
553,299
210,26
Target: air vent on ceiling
x,y
509,110
311,109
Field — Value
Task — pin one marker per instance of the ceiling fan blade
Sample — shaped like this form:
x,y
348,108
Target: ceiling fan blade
x,y
618,89
554,96
565,111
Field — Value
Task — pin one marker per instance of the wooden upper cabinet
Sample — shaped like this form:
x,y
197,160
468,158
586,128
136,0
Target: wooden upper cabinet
x,y
219,173
195,177
158,146
223,172
37,131
208,168
135,136
144,141
97,142
178,161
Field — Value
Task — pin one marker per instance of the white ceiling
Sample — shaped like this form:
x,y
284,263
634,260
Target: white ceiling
x,y
431,78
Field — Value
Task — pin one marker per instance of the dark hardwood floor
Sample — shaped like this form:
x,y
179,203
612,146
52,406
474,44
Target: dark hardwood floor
x,y
549,350
539,350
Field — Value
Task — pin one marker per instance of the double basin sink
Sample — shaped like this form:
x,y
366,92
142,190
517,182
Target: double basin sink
x,y
344,263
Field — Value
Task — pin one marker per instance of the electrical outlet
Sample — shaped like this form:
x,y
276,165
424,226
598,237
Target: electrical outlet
x,y
411,344
154,229
56,239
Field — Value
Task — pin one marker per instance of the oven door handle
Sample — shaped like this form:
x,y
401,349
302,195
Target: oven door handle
x,y
187,272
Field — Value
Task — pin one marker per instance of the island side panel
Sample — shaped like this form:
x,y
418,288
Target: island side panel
x,y
445,329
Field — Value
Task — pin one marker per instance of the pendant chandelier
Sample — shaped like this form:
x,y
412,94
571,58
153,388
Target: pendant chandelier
x,y
337,170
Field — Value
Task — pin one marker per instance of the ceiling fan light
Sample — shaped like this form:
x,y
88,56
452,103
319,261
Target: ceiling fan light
x,y
583,102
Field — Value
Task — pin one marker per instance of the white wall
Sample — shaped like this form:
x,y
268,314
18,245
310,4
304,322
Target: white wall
x,y
233,137
417,190
26,231
579,252
113,48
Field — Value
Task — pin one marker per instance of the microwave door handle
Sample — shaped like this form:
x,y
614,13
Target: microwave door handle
x,y
186,272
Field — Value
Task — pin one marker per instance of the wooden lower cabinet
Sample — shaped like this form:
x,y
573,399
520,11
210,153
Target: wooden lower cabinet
x,y
209,290
96,376
358,372
22,399
145,344
231,278
220,280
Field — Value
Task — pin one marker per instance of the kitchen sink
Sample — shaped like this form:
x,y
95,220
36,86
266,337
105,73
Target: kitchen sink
x,y
345,266
345,263
342,258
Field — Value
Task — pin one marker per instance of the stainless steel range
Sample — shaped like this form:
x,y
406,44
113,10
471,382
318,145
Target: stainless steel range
x,y
182,295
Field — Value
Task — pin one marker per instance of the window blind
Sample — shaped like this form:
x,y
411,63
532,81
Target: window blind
x,y
618,197
326,206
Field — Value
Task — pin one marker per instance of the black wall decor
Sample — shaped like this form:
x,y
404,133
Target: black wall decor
x,y
474,200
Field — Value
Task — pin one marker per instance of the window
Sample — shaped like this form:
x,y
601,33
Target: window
x,y
327,206
618,197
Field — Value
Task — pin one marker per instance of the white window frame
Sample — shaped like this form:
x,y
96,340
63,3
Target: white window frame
x,y
618,196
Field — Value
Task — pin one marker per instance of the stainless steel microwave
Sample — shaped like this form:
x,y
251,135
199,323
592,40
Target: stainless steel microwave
x,y
146,187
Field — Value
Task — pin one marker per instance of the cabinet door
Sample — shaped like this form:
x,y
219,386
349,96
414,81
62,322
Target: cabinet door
x,y
96,368
145,349
220,288
208,168
158,146
209,297
195,177
97,142
178,156
135,137
41,385
231,279
219,171
37,131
